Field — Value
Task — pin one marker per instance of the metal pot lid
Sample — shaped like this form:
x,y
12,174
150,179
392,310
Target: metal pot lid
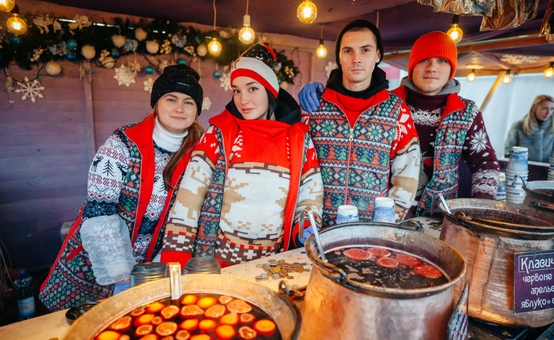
x,y
149,268
500,218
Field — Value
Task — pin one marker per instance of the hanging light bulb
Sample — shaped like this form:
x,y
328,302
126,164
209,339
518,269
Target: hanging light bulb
x,y
507,78
16,25
6,5
455,32
549,72
306,12
246,34
471,76
321,51
214,47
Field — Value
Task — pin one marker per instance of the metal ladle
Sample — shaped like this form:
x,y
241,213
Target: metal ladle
x,y
314,229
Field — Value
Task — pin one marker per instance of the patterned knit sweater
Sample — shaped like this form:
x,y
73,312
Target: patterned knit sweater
x,y
125,178
238,197
450,128
375,156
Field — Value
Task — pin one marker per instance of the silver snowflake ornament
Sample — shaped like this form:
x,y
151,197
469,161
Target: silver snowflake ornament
x,y
225,80
206,103
148,85
330,67
124,75
30,89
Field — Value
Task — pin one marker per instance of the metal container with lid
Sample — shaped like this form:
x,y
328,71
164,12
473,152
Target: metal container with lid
x,y
147,272
202,265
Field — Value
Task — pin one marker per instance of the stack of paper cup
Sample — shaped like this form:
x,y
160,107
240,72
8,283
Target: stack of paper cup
x,y
516,173
501,191
551,170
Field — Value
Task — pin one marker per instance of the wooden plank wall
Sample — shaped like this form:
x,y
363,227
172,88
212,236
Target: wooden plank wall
x,y
46,146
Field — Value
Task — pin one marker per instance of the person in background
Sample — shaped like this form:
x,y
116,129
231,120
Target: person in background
x,y
250,177
535,131
134,175
450,128
364,136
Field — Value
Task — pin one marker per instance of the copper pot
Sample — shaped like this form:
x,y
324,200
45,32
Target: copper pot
x,y
341,308
539,194
488,233
278,306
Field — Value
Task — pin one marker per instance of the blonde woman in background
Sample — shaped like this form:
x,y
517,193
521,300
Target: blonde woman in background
x,y
535,131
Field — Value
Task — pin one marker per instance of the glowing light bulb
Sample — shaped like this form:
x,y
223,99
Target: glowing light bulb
x,y
214,47
7,5
549,72
455,32
507,78
16,25
321,51
306,12
246,34
471,76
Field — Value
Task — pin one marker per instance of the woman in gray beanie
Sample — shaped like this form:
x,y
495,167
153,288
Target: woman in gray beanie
x,y
132,178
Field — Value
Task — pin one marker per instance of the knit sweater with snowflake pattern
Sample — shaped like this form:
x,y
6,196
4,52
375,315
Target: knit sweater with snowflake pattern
x,y
450,128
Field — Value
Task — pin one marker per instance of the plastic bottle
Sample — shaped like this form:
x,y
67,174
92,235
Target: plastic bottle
x,y
25,296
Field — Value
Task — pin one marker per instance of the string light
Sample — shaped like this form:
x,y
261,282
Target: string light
x,y
306,12
507,78
214,46
321,51
16,25
549,72
455,32
6,5
471,76
246,34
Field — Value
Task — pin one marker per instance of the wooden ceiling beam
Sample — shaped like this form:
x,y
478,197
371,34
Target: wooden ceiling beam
x,y
486,45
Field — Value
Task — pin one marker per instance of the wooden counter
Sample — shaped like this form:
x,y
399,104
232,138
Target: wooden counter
x,y
54,325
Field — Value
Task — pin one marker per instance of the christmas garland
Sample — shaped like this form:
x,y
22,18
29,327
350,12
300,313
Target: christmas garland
x,y
79,39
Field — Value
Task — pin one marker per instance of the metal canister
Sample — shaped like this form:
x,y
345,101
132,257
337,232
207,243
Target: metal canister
x,y
147,272
202,265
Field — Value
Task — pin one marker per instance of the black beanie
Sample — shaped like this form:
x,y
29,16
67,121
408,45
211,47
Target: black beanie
x,y
178,78
359,23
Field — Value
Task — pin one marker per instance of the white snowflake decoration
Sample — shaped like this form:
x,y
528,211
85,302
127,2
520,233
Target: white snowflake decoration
x,y
30,89
330,67
148,85
225,80
206,103
516,59
124,76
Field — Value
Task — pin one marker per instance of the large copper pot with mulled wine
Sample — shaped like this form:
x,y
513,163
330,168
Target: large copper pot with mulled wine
x,y
339,308
488,233
278,306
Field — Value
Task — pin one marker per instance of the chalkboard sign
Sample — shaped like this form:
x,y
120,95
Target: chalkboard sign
x,y
533,281
458,324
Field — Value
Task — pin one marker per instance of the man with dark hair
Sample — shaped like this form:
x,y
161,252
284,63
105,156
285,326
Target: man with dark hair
x,y
450,128
364,136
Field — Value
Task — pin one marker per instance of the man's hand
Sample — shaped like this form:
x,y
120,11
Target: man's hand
x,y
308,96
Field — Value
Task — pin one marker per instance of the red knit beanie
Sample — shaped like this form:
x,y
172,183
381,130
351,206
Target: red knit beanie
x,y
434,44
257,62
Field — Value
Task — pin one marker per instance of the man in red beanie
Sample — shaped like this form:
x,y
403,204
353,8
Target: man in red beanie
x,y
450,128
364,136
